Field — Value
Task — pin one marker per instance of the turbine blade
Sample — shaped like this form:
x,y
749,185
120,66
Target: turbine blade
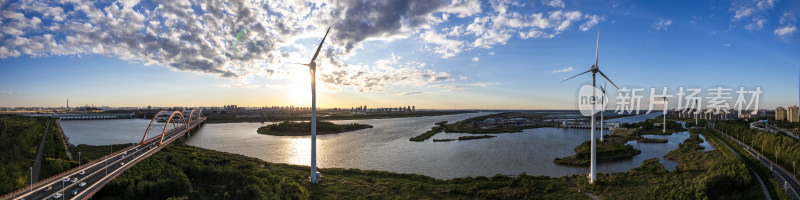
x,y
303,64
320,45
609,80
597,48
576,75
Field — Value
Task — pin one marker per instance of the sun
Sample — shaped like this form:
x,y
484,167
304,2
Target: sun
x,y
298,89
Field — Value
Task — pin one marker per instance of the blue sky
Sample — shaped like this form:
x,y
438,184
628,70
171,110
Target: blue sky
x,y
431,54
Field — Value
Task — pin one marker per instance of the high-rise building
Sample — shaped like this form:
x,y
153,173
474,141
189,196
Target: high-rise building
x,y
780,114
792,114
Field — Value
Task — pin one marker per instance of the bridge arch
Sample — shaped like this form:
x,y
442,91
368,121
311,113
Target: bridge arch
x,y
167,117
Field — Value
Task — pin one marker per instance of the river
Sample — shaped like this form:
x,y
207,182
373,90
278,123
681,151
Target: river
x,y
386,147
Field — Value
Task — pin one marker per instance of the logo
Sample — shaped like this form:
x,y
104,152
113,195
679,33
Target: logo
x,y
586,100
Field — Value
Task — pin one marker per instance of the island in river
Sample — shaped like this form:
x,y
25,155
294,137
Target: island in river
x,y
288,128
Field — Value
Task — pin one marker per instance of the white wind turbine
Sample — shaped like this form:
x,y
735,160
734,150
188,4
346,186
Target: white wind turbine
x,y
594,69
312,67
664,125
602,112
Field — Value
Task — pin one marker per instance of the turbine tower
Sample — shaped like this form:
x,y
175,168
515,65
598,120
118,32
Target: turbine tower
x,y
312,67
665,116
594,69
602,111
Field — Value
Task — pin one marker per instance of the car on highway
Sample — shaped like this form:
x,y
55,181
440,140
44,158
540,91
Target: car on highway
x,y
82,172
121,163
75,192
57,196
48,188
65,179
74,180
81,184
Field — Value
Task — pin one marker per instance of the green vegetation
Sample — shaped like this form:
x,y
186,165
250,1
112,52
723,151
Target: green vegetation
x,y
333,116
475,137
788,149
55,153
288,128
91,152
612,148
440,126
699,175
20,137
181,171
647,127
466,126
651,140
19,140
469,137
733,127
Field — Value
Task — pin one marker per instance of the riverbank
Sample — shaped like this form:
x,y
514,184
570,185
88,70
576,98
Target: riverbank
x,y
612,148
467,126
196,173
332,116
288,128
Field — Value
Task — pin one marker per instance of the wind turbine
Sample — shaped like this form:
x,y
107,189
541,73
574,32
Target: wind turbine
x,y
664,125
594,69
312,67
602,112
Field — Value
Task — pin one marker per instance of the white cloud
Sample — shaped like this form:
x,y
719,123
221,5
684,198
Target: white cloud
x,y
758,24
662,24
442,45
568,69
785,31
491,53
593,20
554,3
476,59
484,84
743,12
448,87
727,44
409,93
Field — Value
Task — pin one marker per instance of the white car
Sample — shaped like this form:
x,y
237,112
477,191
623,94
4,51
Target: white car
x,y
75,192
65,179
48,188
82,184
74,180
57,196
121,163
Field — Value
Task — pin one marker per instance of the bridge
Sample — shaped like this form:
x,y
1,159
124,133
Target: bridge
x,y
84,181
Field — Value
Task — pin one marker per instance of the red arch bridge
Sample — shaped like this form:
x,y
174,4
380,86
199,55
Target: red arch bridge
x,y
84,181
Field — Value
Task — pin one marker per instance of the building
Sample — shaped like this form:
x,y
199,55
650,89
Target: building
x,y
780,114
792,114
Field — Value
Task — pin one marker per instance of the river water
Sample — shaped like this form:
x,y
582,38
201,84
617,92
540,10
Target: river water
x,y
386,147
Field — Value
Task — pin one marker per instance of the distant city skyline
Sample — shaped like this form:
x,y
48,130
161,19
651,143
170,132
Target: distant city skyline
x,y
432,54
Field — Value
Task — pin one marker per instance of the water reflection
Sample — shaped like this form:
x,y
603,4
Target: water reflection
x,y
386,147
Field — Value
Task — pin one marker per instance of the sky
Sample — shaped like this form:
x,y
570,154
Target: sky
x,y
432,54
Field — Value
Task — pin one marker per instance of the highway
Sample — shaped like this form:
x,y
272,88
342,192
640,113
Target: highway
x,y
84,181
783,176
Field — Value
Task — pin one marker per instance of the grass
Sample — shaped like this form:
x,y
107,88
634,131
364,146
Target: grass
x,y
288,128
440,126
612,148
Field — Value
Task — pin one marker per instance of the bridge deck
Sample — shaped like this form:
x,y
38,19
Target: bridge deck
x,y
99,172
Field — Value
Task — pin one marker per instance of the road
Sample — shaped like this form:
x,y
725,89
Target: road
x,y
783,176
37,163
98,173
